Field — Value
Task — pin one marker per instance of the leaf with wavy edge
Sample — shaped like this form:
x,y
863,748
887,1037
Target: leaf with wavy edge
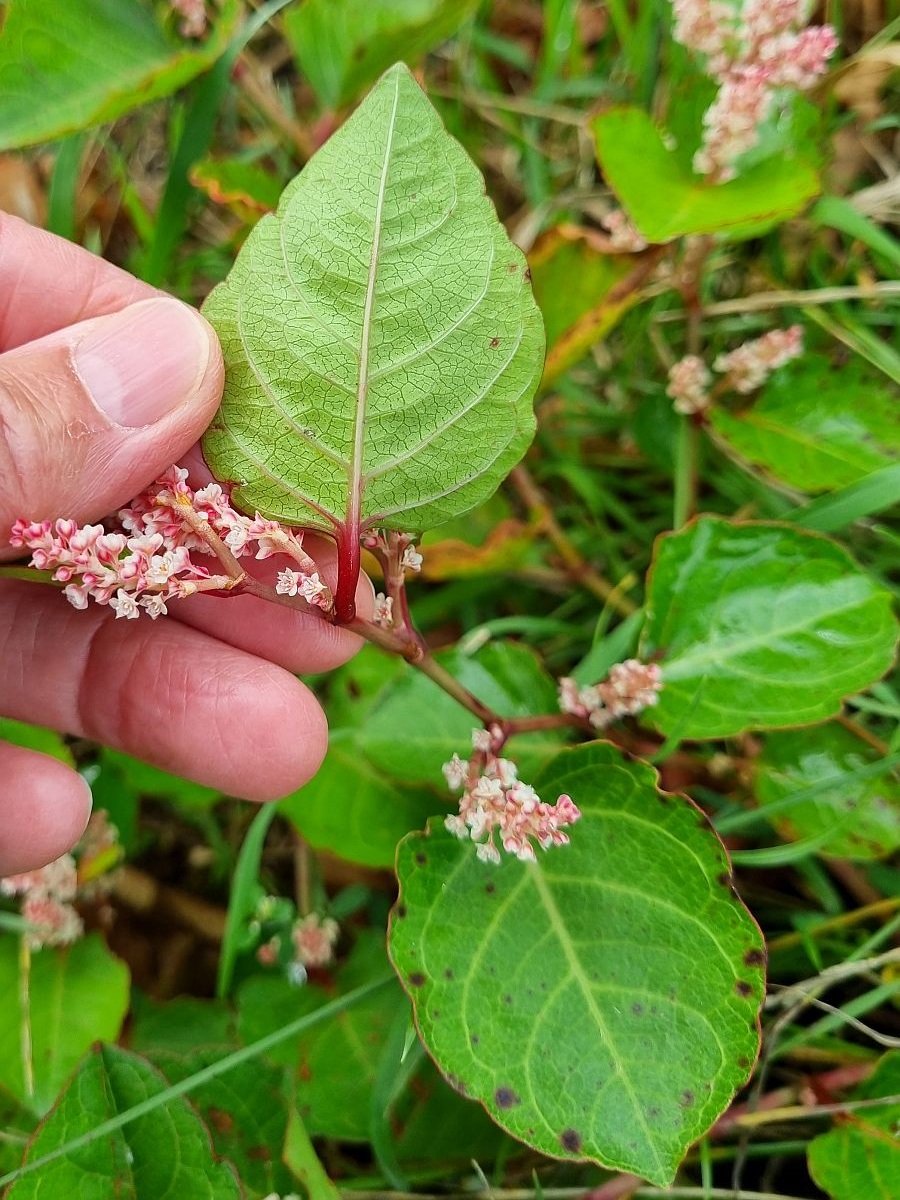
x,y
601,1003
381,341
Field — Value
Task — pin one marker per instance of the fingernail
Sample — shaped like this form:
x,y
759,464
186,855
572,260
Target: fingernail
x,y
143,362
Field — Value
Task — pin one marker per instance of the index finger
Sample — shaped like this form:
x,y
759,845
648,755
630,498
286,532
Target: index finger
x,y
47,283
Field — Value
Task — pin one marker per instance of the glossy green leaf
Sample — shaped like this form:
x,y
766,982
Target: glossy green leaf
x,y
342,46
77,996
65,67
415,727
758,626
351,809
862,813
666,200
380,337
601,1003
860,1158
816,428
337,1063
163,1155
245,1110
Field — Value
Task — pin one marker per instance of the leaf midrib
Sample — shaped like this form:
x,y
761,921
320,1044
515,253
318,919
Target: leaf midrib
x,y
354,500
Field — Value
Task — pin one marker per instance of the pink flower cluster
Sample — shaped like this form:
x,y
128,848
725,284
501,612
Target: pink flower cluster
x,y
495,800
689,381
745,369
748,366
148,560
622,234
48,893
193,17
629,688
752,52
314,939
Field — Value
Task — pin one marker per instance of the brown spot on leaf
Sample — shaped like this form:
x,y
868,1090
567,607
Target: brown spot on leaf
x,y
400,910
754,958
260,1153
490,888
723,879
221,1120
637,1009
421,859
743,1060
570,1140
495,342
448,974
687,1099
506,1098
417,979
303,1071
743,988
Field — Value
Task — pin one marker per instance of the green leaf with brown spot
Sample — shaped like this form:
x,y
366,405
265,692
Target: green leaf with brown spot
x,y
602,1003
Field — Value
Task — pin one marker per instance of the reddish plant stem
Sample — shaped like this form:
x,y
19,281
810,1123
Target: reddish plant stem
x,y
348,575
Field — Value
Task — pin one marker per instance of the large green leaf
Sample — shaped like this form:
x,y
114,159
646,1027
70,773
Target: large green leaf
x,y
601,1003
76,996
245,1110
351,809
338,1063
860,1158
381,341
665,200
64,67
163,1155
759,625
415,727
816,428
342,46
823,764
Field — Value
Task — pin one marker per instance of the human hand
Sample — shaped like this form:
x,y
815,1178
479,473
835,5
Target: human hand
x,y
104,382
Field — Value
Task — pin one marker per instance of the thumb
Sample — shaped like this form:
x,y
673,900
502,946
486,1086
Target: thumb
x,y
93,413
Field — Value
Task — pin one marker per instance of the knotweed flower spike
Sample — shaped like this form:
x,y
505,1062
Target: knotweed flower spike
x,y
152,557
753,51
689,381
495,800
47,895
314,939
628,689
749,365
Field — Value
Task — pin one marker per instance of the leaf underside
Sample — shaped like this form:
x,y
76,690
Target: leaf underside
x,y
381,342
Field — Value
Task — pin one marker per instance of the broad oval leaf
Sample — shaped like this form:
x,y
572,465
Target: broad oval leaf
x,y
166,1152
860,1158
759,625
77,995
829,770
665,200
601,1003
65,67
816,428
381,341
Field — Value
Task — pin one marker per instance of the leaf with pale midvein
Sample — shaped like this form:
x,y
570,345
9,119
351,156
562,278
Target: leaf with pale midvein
x,y
758,625
381,341
601,1003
